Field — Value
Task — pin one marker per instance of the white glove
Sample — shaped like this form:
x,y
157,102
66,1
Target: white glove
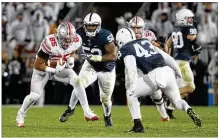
x,y
70,63
60,66
95,58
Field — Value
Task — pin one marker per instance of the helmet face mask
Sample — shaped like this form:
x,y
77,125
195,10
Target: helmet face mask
x,y
137,25
66,33
92,24
185,17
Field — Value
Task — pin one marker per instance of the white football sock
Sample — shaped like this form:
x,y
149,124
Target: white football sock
x,y
159,101
82,97
73,100
134,107
161,109
182,105
107,108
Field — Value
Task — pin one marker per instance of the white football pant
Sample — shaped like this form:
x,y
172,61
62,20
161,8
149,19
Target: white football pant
x,y
161,78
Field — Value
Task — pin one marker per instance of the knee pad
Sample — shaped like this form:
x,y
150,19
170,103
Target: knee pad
x,y
158,101
34,96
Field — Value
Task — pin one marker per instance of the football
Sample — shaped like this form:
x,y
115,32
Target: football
x,y
53,63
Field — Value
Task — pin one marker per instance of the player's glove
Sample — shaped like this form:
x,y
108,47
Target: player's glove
x,y
95,58
60,66
196,51
70,63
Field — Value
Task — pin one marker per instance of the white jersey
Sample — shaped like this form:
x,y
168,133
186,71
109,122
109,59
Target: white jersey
x,y
149,35
50,45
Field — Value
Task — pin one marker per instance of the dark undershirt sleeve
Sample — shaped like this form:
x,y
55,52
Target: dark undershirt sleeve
x,y
43,55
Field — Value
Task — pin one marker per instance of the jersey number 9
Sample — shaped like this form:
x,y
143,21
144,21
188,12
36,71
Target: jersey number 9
x,y
177,39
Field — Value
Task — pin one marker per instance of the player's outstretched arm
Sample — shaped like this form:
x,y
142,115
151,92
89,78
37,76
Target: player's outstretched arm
x,y
111,52
130,72
168,46
196,45
40,64
170,62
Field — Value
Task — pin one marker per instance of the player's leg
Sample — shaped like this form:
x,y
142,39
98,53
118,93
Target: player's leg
x,y
187,85
159,101
145,86
106,81
38,82
171,90
87,76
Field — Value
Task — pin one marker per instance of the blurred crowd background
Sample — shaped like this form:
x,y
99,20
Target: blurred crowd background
x,y
24,25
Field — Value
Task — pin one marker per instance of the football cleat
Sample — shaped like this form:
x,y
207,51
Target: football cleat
x,y
90,116
108,121
138,127
20,119
168,108
197,121
165,119
170,113
68,112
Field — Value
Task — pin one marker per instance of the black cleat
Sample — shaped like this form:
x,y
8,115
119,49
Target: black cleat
x,y
68,112
170,113
197,121
168,108
137,128
108,121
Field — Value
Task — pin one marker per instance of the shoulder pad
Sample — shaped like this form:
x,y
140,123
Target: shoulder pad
x,y
106,36
192,30
149,35
77,42
48,43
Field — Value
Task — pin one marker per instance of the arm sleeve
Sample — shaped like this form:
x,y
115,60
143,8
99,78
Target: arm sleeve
x,y
43,55
108,38
130,72
170,62
197,48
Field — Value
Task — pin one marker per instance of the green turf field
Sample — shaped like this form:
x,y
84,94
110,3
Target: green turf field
x,y
43,122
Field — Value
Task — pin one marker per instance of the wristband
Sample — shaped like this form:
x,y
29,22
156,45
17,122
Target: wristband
x,y
50,69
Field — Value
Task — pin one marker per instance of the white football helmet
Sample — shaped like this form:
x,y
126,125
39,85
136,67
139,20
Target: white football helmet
x,y
92,19
137,24
185,17
136,21
66,33
124,36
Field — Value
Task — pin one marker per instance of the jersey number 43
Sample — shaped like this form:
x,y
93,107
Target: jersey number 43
x,y
144,51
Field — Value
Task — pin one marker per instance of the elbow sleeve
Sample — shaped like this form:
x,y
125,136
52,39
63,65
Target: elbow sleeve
x,y
196,47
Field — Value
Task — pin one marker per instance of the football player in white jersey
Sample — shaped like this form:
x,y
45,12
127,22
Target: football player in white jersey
x,y
137,25
55,60
101,53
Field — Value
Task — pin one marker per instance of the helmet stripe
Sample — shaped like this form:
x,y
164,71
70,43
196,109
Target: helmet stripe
x,y
136,20
69,28
130,32
90,16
